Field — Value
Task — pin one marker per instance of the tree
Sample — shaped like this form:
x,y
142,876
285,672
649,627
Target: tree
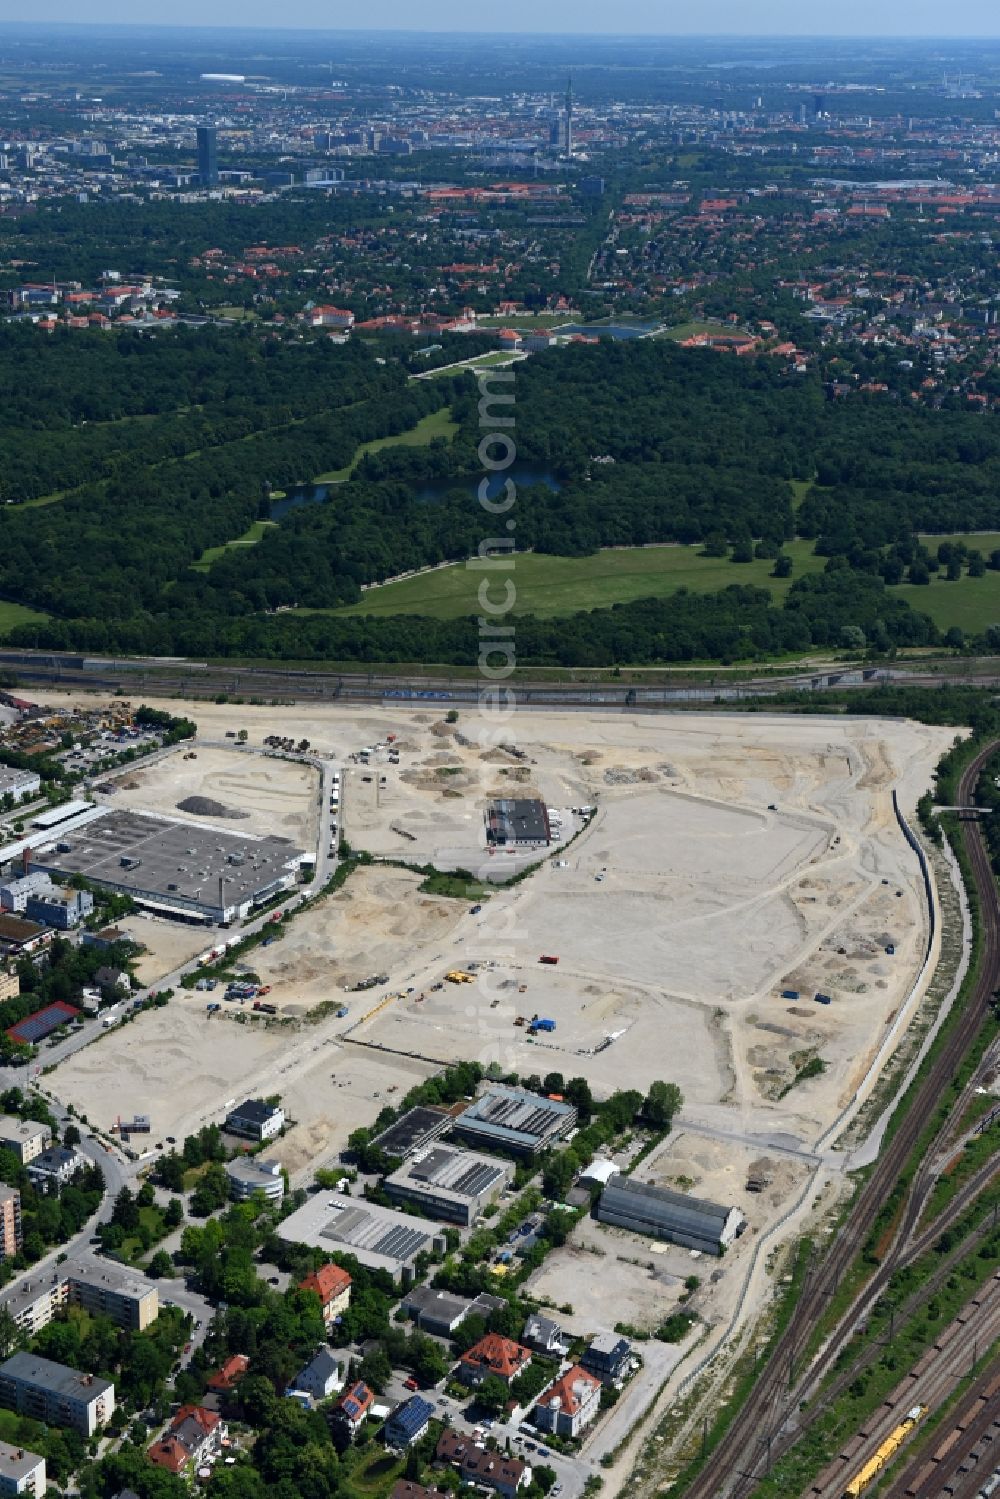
x,y
492,1394
173,1213
544,1476
71,1136
160,1265
11,1336
663,1101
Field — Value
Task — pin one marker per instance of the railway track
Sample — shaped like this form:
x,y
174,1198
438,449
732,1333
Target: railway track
x,y
203,679
930,1383
735,1465
966,1451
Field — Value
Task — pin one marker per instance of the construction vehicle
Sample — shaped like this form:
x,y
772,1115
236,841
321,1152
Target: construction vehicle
x,y
548,958
519,1020
822,999
542,1025
456,976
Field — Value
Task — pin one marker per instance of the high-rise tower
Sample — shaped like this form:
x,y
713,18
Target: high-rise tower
x,y
208,162
569,115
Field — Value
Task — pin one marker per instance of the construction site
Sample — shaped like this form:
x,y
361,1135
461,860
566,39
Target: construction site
x,y
728,864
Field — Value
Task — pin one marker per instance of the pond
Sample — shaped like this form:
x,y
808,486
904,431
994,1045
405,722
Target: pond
x,y
522,474
609,330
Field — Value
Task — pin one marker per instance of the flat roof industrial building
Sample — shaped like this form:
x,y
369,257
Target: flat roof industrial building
x,y
520,821
375,1236
416,1128
446,1183
174,867
516,1120
660,1213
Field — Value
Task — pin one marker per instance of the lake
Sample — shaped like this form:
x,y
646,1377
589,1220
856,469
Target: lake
x,y
522,474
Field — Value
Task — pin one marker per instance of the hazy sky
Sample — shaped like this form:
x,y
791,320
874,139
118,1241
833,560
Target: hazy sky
x,y
905,18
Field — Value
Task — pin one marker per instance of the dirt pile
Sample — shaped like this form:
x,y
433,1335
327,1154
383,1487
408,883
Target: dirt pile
x,y
206,806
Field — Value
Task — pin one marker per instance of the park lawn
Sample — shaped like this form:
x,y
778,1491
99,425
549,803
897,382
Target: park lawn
x,y
548,586
688,330
436,424
12,615
250,537
970,603
478,362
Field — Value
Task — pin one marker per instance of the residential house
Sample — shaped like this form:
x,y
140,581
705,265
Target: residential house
x,y
113,982
353,1406
333,1287
228,1375
494,1356
479,1465
570,1404
322,1377
403,1488
608,1357
408,1422
544,1335
194,1435
53,1168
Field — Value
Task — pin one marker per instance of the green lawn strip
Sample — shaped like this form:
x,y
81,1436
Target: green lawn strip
x,y
548,585
12,615
481,361
435,424
457,885
250,537
969,603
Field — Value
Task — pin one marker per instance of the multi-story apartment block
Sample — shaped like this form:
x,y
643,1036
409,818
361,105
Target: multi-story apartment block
x,y
53,1393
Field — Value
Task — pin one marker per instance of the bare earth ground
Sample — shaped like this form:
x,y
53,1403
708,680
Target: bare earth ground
x,y
738,857
272,796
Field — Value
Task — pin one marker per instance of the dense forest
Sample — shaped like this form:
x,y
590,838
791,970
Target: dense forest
x,y
641,442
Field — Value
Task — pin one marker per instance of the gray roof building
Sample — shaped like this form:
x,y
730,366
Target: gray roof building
x,y
662,1214
417,1127
21,1472
374,1235
517,821
515,1120
54,1393
455,1185
178,868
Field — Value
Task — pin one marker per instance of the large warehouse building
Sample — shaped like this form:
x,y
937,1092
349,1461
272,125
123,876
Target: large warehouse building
x,y
456,1185
660,1213
515,1120
175,868
375,1236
